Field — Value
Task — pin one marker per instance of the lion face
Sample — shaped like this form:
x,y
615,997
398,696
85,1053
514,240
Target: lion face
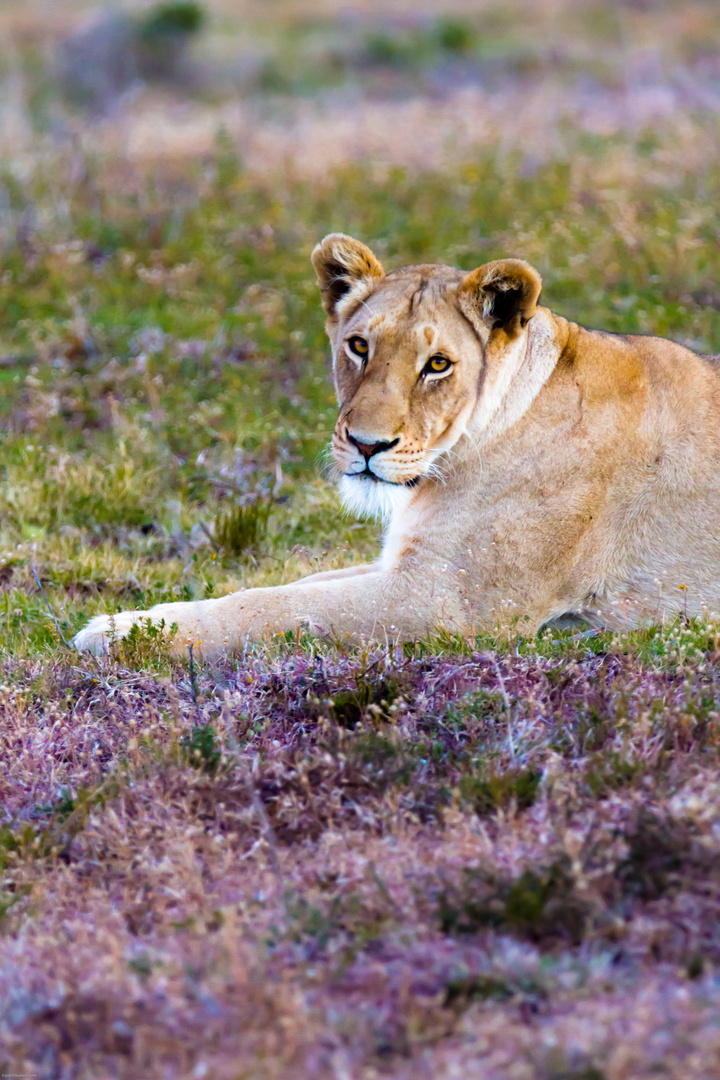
x,y
414,352
407,370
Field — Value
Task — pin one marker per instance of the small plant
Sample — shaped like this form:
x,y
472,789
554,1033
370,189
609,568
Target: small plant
x,y
64,806
163,37
349,707
174,17
414,48
10,844
465,989
67,817
488,794
9,900
478,705
659,852
240,529
146,645
308,921
141,965
611,772
388,51
382,754
201,749
588,1072
540,905
455,35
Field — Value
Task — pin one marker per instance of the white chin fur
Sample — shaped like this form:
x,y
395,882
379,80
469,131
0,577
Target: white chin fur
x,y
366,498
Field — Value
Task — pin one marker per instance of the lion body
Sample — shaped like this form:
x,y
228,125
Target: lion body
x,y
548,470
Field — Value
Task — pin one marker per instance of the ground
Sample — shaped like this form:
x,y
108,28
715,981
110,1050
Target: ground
x,y
494,858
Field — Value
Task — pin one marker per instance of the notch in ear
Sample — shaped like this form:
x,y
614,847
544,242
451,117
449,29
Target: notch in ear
x,y
342,263
503,293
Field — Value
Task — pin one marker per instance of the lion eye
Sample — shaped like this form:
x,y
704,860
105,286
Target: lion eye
x,y
359,346
436,365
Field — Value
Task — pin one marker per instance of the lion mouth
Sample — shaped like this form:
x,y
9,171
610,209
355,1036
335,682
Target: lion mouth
x,y
367,474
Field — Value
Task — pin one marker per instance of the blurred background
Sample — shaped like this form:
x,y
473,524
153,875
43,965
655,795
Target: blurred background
x,y
319,82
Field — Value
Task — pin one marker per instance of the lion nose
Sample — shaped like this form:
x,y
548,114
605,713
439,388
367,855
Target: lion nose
x,y
368,449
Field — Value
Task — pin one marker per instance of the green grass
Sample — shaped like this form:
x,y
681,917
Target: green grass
x,y
163,366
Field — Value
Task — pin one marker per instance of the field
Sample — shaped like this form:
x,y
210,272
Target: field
x,y
494,858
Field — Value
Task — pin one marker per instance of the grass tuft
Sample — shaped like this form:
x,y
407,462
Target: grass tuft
x,y
201,749
147,645
486,795
241,529
541,905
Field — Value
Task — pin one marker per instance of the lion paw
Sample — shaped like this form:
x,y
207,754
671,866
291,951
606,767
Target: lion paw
x,y
101,631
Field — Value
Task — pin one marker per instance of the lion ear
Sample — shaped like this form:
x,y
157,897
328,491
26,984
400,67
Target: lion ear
x,y
502,293
341,263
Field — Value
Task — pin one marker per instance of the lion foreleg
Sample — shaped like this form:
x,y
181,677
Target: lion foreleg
x,y
363,607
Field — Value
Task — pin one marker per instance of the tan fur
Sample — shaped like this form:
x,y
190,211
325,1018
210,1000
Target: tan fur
x,y
554,469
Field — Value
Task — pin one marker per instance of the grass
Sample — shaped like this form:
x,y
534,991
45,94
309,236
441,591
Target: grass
x,y
174,417
494,856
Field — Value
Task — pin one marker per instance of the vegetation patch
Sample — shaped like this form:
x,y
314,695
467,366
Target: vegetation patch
x,y
240,529
369,697
200,749
466,989
485,795
542,905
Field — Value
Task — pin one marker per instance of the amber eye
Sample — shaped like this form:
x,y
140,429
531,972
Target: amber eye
x,y
436,365
359,346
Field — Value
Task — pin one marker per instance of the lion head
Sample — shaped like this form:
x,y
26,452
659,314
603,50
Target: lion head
x,y
422,356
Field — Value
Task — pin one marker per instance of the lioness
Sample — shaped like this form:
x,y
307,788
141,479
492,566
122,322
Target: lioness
x,y
525,467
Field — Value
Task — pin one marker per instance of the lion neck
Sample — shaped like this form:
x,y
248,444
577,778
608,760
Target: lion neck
x,y
526,367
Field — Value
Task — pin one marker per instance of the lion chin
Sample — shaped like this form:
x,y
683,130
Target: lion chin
x,y
375,499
